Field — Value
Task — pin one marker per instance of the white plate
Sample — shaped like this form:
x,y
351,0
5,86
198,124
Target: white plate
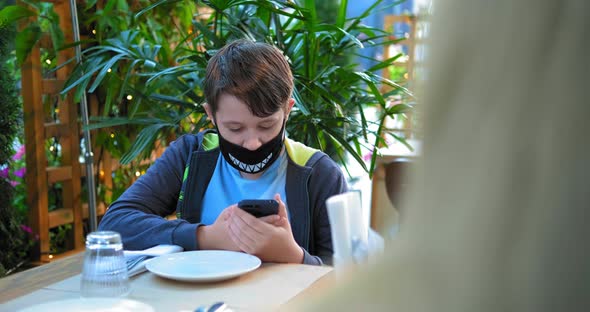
x,y
91,305
203,265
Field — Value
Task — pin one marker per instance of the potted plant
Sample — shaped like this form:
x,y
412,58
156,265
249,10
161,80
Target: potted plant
x,y
147,71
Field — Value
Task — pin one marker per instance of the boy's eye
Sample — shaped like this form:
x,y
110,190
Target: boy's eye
x,y
266,126
235,129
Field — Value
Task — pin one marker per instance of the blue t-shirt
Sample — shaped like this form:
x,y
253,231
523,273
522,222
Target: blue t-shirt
x,y
228,187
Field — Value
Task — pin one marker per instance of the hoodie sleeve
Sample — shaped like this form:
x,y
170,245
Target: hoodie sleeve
x,y
139,215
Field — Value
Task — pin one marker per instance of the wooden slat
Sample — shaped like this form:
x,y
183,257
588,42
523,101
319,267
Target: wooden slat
x,y
390,19
37,199
63,216
410,42
107,176
68,114
101,208
59,174
37,131
45,42
53,86
55,129
66,254
60,217
83,170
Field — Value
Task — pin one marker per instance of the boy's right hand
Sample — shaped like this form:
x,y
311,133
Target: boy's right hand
x,y
215,236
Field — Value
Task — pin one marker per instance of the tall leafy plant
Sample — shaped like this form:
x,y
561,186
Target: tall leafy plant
x,y
153,85
15,242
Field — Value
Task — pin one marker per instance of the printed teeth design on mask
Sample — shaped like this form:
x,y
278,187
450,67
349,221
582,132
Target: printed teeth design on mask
x,y
250,168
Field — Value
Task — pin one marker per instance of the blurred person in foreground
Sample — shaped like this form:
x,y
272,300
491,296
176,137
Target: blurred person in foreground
x,y
498,216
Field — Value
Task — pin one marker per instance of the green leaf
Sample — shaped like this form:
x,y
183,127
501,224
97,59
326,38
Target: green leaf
x,y
105,69
357,20
144,140
126,80
310,5
57,36
153,6
90,4
392,84
299,102
386,63
208,34
402,140
12,13
171,99
87,70
398,109
104,122
347,35
341,18
26,40
344,144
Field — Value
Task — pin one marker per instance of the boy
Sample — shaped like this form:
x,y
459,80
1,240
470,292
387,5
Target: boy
x,y
248,89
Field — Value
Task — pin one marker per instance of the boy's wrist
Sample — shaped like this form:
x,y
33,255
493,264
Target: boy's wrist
x,y
204,237
297,255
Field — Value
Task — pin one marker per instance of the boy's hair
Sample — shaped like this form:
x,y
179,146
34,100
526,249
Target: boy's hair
x,y
256,73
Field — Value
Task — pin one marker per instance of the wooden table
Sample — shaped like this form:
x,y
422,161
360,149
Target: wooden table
x,y
267,288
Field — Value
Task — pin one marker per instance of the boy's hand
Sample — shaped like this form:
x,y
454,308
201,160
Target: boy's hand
x,y
270,238
216,236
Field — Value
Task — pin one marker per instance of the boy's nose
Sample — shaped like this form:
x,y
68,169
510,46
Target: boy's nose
x,y
252,143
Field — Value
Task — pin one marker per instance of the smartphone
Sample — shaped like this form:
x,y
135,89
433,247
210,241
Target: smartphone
x,y
259,207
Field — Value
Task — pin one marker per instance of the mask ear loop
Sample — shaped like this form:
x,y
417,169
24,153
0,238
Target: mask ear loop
x,y
284,129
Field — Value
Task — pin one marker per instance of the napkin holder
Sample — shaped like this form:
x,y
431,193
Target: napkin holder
x,y
352,239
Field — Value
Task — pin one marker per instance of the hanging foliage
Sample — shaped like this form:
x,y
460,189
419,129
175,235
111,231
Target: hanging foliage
x,y
15,242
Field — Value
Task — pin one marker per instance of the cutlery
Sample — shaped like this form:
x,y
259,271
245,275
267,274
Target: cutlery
x,y
216,307
133,261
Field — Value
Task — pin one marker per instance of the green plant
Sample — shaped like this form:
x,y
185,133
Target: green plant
x,y
59,238
16,240
149,77
47,21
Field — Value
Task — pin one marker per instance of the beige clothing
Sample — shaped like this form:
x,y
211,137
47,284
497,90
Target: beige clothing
x,y
498,217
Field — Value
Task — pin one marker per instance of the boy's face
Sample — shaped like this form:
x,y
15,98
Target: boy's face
x,y
239,126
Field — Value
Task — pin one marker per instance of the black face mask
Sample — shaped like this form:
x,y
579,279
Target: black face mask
x,y
249,161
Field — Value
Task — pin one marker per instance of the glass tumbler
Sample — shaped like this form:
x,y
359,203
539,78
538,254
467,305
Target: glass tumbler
x,y
104,271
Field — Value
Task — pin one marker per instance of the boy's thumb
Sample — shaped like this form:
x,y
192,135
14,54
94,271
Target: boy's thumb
x,y
282,208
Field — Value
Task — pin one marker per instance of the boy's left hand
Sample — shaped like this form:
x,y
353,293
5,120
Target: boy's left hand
x,y
269,238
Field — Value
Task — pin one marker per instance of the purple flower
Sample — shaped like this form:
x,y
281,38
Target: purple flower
x,y
4,173
19,154
20,172
26,229
14,183
368,156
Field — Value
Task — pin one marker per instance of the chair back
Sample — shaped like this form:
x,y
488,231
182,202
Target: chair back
x,y
396,182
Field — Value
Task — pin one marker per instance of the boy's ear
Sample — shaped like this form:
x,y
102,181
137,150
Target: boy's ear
x,y
209,113
290,104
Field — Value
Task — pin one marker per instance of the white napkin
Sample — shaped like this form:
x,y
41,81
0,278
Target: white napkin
x,y
352,240
141,257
